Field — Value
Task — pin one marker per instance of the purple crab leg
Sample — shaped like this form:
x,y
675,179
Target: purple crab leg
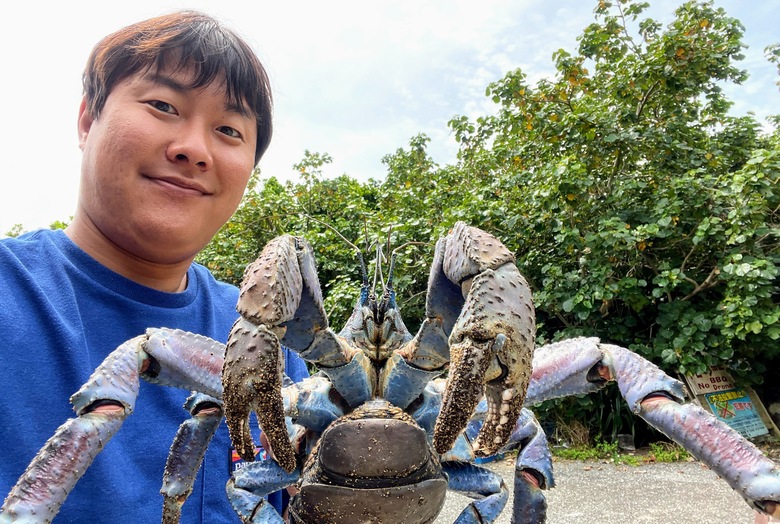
x,y
187,452
164,356
183,360
658,399
53,473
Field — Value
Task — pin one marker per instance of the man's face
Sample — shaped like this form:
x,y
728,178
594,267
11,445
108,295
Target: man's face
x,y
164,166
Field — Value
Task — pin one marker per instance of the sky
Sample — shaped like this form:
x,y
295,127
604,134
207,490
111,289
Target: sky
x,y
354,79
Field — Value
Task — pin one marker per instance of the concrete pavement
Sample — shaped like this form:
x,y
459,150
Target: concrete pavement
x,y
603,493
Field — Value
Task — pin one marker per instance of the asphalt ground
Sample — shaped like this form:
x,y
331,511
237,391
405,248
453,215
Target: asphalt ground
x,y
602,492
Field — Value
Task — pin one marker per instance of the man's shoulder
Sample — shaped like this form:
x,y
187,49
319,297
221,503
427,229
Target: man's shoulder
x,y
218,290
37,241
32,252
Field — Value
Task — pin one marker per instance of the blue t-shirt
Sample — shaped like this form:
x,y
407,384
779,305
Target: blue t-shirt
x,y
61,314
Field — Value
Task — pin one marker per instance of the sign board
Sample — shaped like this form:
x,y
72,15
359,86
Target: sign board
x,y
735,408
740,408
717,379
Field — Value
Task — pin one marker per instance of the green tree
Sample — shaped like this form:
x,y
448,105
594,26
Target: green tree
x,y
641,210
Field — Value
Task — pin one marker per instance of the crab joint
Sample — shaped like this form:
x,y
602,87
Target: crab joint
x,y
105,406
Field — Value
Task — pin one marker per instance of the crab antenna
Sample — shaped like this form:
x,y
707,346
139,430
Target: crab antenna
x,y
365,234
363,270
342,237
378,269
394,254
389,284
389,234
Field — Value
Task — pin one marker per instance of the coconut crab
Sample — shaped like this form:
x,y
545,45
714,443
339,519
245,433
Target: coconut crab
x,y
375,436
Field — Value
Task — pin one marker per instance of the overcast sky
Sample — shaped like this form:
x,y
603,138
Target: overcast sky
x,y
354,79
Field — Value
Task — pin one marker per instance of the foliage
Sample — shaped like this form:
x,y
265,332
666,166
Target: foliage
x,y
640,210
603,450
600,450
643,212
15,231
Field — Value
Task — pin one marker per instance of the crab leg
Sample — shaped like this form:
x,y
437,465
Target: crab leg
x,y
163,356
533,465
533,470
45,485
486,486
250,484
187,452
280,302
658,399
492,340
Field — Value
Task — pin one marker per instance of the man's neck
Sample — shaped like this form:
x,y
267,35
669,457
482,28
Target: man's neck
x,y
170,277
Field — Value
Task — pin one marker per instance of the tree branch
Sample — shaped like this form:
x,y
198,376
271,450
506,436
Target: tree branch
x,y
687,256
625,29
562,319
710,281
645,98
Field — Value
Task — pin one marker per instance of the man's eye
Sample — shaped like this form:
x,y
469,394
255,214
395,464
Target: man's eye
x,y
165,107
229,131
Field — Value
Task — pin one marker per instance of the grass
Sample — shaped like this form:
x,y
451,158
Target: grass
x,y
602,450
667,452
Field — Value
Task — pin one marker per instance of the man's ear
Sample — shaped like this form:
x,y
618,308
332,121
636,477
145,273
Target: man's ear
x,y
84,123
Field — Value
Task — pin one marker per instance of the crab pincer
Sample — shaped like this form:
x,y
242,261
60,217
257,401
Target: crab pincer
x,y
491,343
254,364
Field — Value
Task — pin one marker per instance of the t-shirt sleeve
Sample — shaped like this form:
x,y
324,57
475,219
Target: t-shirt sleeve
x,y
295,366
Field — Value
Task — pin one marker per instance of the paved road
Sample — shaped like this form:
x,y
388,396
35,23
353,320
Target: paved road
x,y
599,492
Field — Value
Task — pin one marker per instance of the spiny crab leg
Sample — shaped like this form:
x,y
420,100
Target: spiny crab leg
x,y
187,452
280,302
491,343
53,473
163,356
583,365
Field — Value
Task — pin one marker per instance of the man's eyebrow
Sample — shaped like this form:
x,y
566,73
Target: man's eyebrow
x,y
172,83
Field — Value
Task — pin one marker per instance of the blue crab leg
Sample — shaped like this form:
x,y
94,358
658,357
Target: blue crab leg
x,y
480,483
533,470
492,340
250,484
533,465
187,452
658,399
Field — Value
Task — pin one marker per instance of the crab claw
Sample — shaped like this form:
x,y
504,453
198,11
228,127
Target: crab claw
x,y
491,343
252,378
254,363
280,303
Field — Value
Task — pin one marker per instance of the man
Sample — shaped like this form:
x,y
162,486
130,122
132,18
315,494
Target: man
x,y
175,115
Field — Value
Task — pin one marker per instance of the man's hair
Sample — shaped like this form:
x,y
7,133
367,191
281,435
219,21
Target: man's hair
x,y
183,40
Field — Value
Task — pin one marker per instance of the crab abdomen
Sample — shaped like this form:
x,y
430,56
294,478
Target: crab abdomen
x,y
373,465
